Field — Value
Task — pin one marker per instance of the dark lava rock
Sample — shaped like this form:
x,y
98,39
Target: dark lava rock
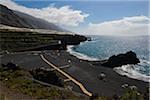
x,y
10,66
46,76
121,59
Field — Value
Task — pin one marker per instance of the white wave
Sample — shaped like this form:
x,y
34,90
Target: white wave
x,y
79,55
144,62
131,72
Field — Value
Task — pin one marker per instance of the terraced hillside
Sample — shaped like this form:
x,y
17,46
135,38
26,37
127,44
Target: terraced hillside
x,y
21,40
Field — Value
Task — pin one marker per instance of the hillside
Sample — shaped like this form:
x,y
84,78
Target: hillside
x,y
18,19
16,40
20,31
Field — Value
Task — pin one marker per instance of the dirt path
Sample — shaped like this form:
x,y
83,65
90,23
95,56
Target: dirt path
x,y
68,76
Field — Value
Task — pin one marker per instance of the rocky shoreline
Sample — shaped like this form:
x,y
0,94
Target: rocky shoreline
x,y
83,71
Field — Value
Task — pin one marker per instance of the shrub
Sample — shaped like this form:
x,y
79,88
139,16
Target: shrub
x,y
131,94
47,76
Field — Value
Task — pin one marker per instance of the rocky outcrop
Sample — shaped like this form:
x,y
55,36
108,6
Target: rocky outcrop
x,y
68,39
121,59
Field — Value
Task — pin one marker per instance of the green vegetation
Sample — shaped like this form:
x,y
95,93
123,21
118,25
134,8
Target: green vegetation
x,y
20,80
17,79
2,97
47,77
12,41
132,94
20,40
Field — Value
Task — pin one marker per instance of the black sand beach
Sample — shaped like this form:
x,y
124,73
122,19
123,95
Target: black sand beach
x,y
81,70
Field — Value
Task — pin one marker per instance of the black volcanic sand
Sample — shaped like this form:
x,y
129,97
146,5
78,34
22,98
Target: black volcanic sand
x,y
81,70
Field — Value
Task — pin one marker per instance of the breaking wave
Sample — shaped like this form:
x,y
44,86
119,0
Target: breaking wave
x,y
135,71
79,55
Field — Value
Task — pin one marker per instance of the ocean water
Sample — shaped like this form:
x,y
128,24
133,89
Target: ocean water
x,y
102,47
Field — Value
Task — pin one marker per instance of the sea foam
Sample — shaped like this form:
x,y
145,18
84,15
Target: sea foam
x,y
79,55
132,71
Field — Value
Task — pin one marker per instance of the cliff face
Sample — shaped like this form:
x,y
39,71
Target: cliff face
x,y
70,39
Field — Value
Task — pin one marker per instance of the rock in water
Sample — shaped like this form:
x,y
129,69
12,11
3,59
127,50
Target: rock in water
x,y
122,59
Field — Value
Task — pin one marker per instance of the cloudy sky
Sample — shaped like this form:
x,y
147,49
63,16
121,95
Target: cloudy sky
x,y
89,17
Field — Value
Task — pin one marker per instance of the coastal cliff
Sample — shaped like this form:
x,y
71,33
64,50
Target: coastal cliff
x,y
16,40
